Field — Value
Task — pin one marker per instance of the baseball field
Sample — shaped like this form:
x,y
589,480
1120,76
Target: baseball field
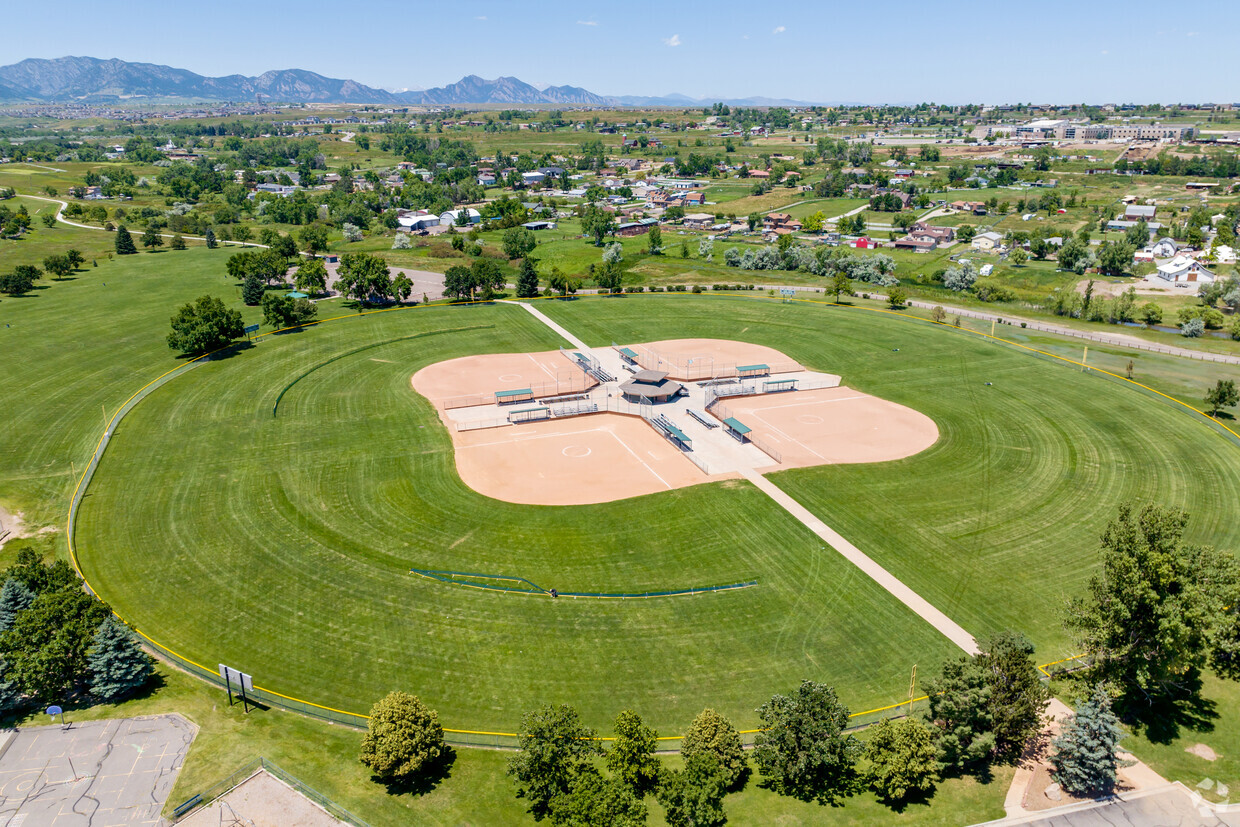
x,y
281,540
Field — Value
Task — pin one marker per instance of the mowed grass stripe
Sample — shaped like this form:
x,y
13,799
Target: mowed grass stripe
x,y
999,521
285,544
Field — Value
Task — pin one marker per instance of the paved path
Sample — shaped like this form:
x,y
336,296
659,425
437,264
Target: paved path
x,y
877,573
1116,339
854,555
542,317
1173,805
61,218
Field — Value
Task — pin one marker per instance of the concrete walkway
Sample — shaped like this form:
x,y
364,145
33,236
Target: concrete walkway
x,y
542,317
950,629
854,555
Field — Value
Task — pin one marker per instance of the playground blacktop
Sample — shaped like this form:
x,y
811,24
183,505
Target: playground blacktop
x,y
92,774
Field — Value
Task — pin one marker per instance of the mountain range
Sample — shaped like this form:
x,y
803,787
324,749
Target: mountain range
x,y
92,80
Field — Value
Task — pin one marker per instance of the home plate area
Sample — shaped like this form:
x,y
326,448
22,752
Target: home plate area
x,y
600,424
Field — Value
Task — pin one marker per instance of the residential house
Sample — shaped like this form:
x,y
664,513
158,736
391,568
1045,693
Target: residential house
x,y
1164,248
639,227
776,221
486,179
917,245
987,242
1138,212
532,177
1224,254
1184,270
695,197
975,207
699,221
941,235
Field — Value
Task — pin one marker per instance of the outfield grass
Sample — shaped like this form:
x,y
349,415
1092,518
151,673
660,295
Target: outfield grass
x,y
230,535
998,522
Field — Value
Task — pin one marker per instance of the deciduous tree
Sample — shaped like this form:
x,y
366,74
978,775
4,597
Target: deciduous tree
x,y
46,647
693,797
554,745
631,757
901,758
403,738
204,325
713,735
802,749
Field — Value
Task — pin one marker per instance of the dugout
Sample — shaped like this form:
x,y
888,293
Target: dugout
x,y
529,414
777,385
736,429
751,371
512,396
650,386
628,356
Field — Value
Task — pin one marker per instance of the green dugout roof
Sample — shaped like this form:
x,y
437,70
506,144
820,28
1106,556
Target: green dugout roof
x,y
512,393
752,368
736,425
629,352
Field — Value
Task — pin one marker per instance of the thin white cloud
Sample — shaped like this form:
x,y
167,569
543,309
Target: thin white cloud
x,y
481,17
780,30
587,22
674,40
1105,52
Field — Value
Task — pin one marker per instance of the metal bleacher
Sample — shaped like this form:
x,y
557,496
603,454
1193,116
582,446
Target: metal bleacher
x,y
703,418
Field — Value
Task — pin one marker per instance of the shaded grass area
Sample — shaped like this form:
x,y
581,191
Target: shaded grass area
x,y
1213,723
475,788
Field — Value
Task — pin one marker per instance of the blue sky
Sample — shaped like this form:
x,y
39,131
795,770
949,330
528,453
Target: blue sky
x,y
890,51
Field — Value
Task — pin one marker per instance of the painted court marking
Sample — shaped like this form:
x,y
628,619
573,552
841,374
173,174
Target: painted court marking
x,y
576,451
541,367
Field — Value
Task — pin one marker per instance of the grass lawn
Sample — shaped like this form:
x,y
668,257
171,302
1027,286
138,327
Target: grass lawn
x,y
476,789
1212,722
997,523
282,544
250,526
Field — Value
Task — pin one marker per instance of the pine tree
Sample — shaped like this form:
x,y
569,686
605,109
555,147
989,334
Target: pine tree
x,y
10,695
209,236
1086,751
124,242
527,280
252,289
14,597
117,664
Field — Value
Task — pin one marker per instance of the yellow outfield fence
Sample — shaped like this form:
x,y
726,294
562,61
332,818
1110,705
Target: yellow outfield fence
x,y
508,740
